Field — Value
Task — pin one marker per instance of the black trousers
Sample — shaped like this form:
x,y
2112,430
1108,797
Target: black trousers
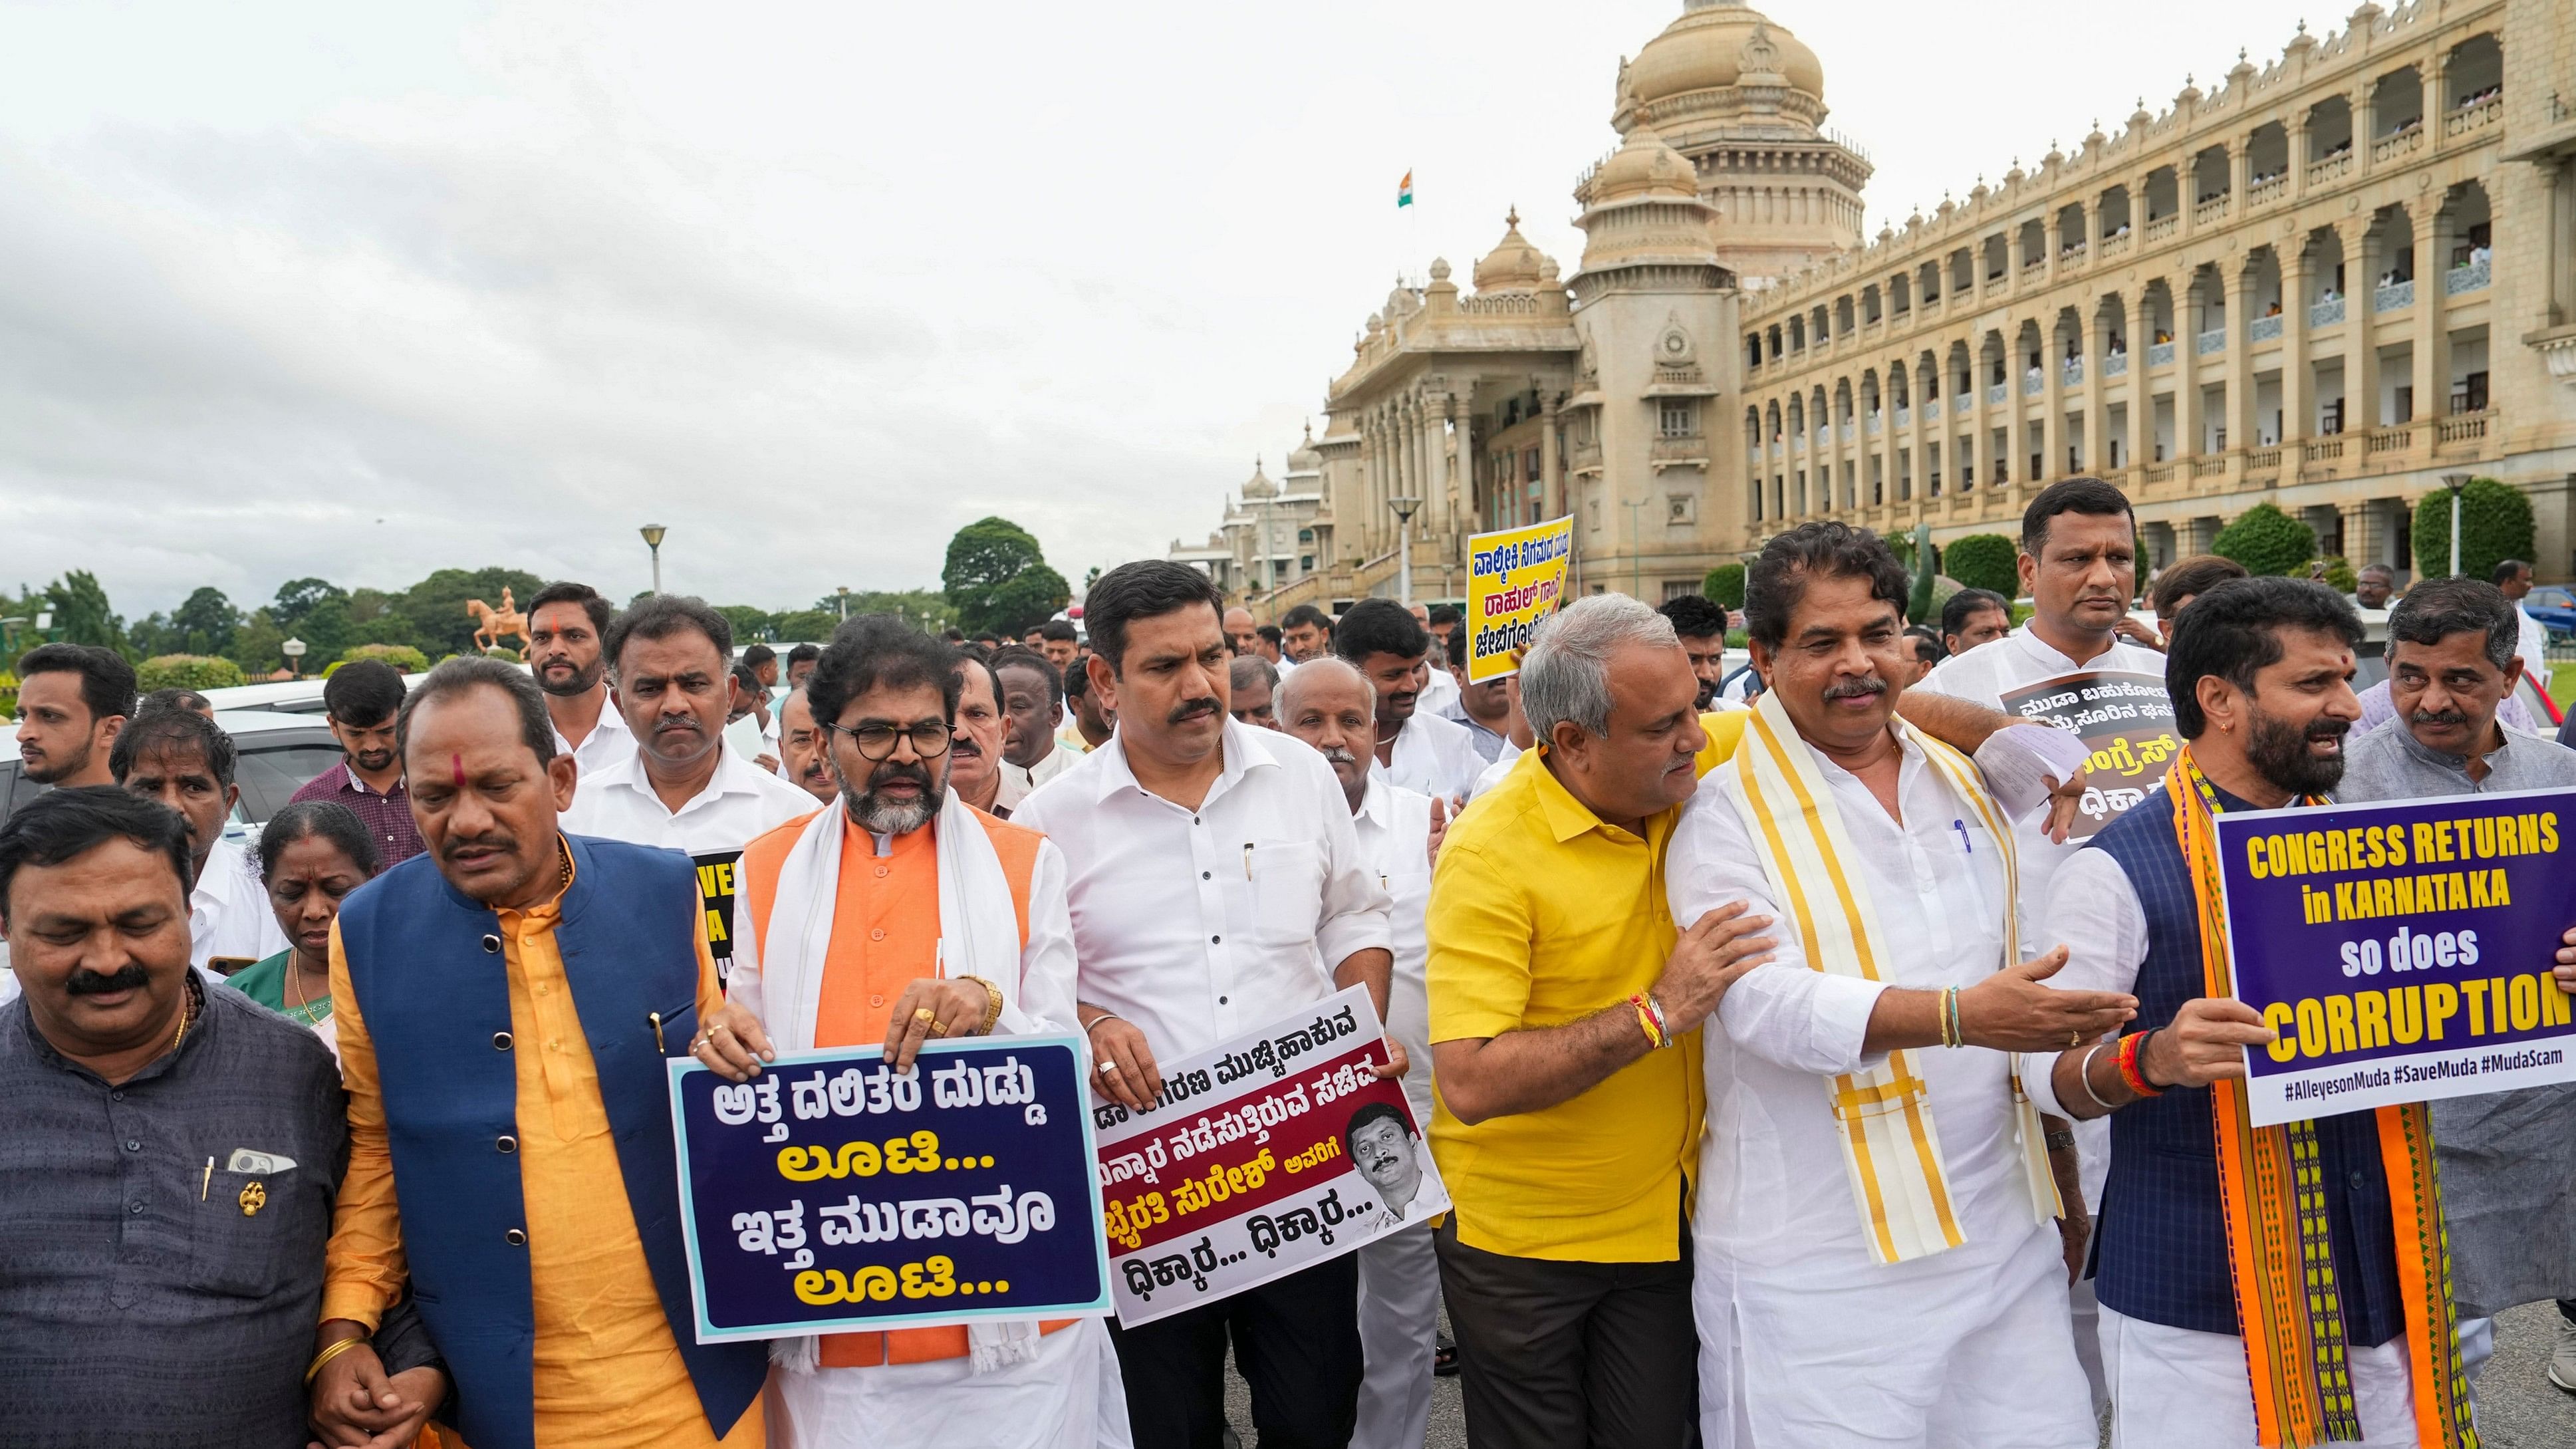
x,y
1296,1342
1568,1355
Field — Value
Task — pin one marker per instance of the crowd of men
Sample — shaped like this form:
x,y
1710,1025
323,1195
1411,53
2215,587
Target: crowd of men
x,y
1795,1079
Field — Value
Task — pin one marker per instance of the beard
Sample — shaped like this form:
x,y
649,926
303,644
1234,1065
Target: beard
x,y
580,682
880,814
2278,750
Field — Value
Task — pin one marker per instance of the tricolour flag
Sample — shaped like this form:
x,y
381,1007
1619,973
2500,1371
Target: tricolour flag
x,y
1404,190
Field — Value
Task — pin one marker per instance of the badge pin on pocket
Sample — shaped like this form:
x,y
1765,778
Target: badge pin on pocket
x,y
261,1163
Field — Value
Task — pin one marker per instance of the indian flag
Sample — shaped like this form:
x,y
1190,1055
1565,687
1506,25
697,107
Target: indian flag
x,y
1404,190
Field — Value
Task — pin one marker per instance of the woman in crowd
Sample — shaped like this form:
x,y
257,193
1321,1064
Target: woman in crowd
x,y
312,854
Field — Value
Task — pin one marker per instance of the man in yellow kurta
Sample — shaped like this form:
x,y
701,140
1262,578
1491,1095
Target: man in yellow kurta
x,y
506,1002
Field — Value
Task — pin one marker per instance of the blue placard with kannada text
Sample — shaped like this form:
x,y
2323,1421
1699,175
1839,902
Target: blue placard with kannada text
x,y
830,1194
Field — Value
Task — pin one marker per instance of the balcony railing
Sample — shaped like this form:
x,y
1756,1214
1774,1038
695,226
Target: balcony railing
x,y
2263,329
2159,472
1998,394
2472,116
2460,428
2323,450
2213,340
2394,297
2268,189
2388,440
2326,313
2262,460
2033,383
2469,278
2408,140
2162,227
2071,372
2331,169
1962,405
1847,432
2160,354
2115,364
1873,425
2115,244
2208,466
2208,211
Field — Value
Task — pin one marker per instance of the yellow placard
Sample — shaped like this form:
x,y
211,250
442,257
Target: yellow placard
x,y
1514,579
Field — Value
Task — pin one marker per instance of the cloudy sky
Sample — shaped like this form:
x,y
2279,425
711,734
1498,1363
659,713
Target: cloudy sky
x,y
361,291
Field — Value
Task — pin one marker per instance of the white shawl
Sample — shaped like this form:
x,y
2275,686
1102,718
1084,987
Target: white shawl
x,y
978,936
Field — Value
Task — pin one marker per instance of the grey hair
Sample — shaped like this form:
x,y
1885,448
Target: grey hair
x,y
1325,664
1246,668
1565,677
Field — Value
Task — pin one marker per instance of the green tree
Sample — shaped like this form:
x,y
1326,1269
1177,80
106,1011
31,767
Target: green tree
x,y
809,626
205,623
1725,585
2339,574
2267,541
82,614
1984,561
2495,525
997,578
186,671
750,625
255,645
436,605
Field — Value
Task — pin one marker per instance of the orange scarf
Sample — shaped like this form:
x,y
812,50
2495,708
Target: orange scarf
x,y
2287,1305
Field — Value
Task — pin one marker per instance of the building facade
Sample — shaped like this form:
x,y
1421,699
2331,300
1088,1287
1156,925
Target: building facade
x,y
2323,284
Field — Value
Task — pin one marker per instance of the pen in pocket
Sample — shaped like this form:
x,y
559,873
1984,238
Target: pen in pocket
x,y
1961,826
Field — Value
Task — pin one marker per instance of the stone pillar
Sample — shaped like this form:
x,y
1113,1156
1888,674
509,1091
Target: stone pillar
x,y
2432,314
2295,126
2052,423
1551,477
2362,541
2055,241
2295,408
2097,407
2240,360
2190,426
2142,401
2240,175
2197,534
2365,125
2360,348
2431,99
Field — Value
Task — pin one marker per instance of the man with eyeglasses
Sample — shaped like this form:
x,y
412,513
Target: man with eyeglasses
x,y
680,789
850,942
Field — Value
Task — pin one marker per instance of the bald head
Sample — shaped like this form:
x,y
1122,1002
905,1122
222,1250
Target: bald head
x,y
1242,635
1331,673
1331,705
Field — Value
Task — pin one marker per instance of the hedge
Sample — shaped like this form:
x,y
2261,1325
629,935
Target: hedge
x,y
2495,525
1725,585
186,671
401,656
2267,541
1984,561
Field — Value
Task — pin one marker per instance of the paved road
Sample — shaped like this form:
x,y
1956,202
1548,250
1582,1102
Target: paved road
x,y
2518,1408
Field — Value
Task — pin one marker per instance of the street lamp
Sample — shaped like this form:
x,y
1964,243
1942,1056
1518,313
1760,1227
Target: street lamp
x,y
2455,482
844,592
1404,506
293,649
653,540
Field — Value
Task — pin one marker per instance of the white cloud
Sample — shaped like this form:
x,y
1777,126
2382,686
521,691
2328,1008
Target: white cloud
x,y
811,284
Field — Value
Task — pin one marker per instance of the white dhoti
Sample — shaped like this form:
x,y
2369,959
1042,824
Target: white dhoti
x,y
1068,1396
2175,1388
1399,1333
1965,1350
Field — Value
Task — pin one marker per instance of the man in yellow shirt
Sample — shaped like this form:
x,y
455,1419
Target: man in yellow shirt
x,y
506,1002
1564,1129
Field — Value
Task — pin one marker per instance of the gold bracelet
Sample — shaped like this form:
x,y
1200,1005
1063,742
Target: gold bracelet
x,y
992,1004
328,1354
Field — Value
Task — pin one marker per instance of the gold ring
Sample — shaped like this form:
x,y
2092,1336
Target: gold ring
x,y
2075,1038
924,1014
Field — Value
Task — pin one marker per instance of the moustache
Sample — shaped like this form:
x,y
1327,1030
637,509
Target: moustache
x,y
1338,755
2451,717
2329,729
1861,688
499,844
674,723
891,771
1190,709
129,977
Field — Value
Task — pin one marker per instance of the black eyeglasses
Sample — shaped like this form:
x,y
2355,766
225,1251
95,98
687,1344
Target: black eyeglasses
x,y
876,741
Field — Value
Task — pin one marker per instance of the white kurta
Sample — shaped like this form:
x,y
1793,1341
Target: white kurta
x,y
1804,1339
1434,756
1069,1397
608,742
1399,1275
228,911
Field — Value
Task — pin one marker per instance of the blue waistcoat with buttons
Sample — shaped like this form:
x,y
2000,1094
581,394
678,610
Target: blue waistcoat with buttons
x,y
2161,1244
433,987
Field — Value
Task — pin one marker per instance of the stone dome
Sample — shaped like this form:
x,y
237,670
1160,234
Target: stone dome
x,y
1644,166
1260,485
1305,457
1713,43
1514,265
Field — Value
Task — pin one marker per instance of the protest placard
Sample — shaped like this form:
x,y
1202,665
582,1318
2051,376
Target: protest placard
x,y
1264,1155
719,873
2125,719
831,1194
2402,951
1515,578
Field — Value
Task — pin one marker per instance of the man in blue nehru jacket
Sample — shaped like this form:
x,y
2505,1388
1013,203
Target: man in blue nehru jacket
x,y
506,1000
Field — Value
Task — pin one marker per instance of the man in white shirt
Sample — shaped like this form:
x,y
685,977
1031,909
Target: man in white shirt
x,y
566,624
1416,748
680,788
1305,632
1440,688
1852,1280
183,761
1331,706
1032,710
1216,885
2079,565
2514,577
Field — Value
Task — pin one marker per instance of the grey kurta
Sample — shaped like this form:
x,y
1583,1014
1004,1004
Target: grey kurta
x,y
2508,1159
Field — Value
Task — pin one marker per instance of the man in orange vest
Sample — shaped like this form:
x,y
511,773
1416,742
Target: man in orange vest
x,y
864,926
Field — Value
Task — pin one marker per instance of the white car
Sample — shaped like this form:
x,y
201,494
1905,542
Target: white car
x,y
277,752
